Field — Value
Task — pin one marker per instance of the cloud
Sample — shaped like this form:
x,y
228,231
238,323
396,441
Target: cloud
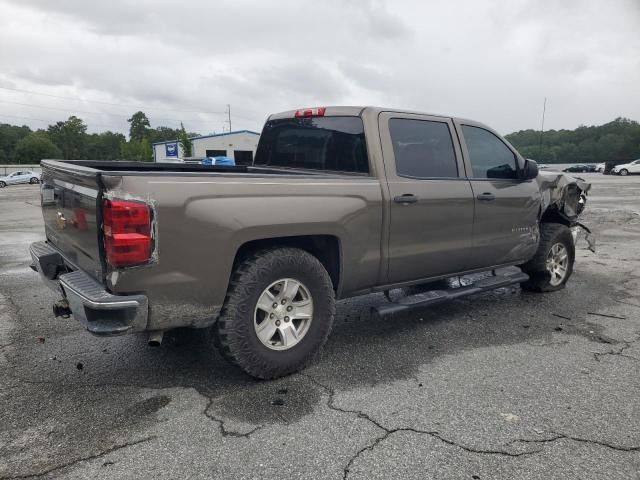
x,y
489,60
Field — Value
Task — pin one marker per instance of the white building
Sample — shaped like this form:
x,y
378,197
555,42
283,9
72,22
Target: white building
x,y
240,145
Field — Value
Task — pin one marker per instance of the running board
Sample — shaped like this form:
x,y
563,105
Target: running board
x,y
434,297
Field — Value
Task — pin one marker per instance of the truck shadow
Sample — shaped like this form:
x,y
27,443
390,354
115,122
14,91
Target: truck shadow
x,y
363,350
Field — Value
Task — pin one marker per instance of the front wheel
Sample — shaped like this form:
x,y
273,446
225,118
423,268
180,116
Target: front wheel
x,y
552,265
624,172
277,314
2,184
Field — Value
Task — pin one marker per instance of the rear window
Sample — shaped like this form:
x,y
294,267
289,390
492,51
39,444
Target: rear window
x,y
423,149
315,143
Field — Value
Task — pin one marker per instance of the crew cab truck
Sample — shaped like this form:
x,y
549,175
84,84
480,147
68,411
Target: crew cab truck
x,y
340,201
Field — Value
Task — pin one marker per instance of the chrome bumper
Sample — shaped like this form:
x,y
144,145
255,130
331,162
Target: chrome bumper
x,y
101,312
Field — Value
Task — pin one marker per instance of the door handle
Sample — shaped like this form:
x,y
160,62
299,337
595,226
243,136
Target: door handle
x,y
486,196
406,198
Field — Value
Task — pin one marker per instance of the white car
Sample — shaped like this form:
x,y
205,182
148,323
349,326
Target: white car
x,y
627,168
600,167
22,176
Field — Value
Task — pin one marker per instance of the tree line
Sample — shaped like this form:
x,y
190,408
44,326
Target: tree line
x,y
618,140
69,139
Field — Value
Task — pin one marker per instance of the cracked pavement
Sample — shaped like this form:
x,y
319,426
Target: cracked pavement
x,y
500,385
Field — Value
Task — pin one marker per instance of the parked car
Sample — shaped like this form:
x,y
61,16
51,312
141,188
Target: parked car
x,y
340,201
22,176
582,168
600,167
627,168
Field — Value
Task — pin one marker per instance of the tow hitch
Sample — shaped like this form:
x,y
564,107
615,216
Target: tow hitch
x,y
61,309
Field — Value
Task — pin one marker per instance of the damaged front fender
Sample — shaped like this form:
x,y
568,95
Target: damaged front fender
x,y
563,193
565,196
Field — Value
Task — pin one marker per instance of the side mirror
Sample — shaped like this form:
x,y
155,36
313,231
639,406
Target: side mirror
x,y
529,171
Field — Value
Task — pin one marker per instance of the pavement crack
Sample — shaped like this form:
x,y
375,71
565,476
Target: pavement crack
x,y
619,352
369,447
390,431
223,431
332,406
562,436
5,345
101,454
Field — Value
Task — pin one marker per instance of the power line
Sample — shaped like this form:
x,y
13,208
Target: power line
x,y
140,107
49,121
31,105
77,99
97,113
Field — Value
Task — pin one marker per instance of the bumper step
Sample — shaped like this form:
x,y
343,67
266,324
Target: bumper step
x,y
98,310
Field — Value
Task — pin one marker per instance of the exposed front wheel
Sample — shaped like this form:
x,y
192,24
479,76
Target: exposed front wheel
x,y
552,265
277,314
624,172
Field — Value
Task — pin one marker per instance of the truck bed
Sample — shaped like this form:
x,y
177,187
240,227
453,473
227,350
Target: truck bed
x,y
136,168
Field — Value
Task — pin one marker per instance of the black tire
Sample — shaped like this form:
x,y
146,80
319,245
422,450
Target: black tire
x,y
2,184
539,276
624,172
235,334
34,180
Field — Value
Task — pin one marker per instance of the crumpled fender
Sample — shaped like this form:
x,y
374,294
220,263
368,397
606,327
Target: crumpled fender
x,y
566,195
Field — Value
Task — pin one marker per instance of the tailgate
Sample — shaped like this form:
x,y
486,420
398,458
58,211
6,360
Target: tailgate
x,y
70,195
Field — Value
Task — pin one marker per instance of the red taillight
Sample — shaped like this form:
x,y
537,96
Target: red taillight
x,y
126,226
311,112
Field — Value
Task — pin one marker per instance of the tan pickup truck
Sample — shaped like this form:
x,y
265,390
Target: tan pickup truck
x,y
340,201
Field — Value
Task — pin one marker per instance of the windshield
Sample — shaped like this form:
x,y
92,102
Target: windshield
x,y
317,143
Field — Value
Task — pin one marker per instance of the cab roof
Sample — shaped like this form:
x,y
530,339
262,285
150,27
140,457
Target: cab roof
x,y
358,111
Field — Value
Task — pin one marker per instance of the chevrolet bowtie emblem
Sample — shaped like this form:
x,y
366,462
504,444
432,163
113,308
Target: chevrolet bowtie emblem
x,y
61,221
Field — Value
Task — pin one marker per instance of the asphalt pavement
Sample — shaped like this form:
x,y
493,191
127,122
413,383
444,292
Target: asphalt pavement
x,y
501,385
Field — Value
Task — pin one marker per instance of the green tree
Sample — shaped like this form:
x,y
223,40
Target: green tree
x,y
163,134
617,140
137,150
138,126
105,145
71,137
185,142
10,135
34,147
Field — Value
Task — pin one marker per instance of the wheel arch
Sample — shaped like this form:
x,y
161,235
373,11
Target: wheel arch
x,y
326,248
552,215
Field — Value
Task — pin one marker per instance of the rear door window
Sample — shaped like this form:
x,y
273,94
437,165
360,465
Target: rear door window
x,y
314,143
489,156
422,148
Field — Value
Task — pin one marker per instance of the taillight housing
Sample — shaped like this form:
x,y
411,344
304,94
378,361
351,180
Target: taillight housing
x,y
127,231
311,112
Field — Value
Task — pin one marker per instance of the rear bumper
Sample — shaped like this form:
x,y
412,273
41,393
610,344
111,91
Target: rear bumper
x,y
101,312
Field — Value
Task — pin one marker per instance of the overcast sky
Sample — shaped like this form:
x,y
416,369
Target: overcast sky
x,y
488,60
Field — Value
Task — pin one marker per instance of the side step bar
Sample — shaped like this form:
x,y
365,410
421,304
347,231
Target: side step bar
x,y
433,297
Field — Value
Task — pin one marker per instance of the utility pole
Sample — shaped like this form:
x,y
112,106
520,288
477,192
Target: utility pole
x,y
229,115
544,109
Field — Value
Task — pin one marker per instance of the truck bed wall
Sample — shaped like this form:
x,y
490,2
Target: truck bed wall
x,y
202,222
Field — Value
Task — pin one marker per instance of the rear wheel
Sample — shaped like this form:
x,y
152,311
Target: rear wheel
x,y
277,314
34,180
552,265
624,172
